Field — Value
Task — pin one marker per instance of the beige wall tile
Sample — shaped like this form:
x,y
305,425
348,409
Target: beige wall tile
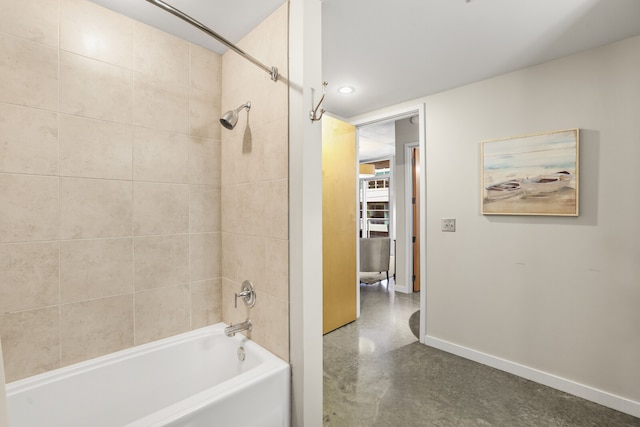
x,y
269,103
276,34
204,117
236,80
160,208
28,276
93,328
274,138
161,261
229,256
250,161
206,72
90,88
91,30
206,303
270,318
28,73
28,208
205,256
251,208
95,208
204,93
162,312
95,149
35,20
204,209
160,156
276,268
276,213
204,161
30,342
28,140
239,79
92,269
230,151
250,259
229,213
160,105
254,195
274,103
153,47
177,89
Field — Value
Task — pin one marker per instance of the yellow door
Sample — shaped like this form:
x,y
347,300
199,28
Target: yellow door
x,y
338,223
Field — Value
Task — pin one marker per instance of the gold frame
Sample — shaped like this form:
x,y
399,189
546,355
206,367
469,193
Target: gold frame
x,y
535,174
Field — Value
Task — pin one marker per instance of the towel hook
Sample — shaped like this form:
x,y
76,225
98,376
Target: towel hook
x,y
313,114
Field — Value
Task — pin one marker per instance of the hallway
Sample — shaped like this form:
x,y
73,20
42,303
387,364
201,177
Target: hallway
x,y
377,374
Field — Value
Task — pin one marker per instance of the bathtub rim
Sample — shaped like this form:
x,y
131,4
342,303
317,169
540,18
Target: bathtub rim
x,y
206,397
25,384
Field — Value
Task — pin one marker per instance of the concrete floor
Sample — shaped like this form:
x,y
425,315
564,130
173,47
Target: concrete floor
x,y
377,374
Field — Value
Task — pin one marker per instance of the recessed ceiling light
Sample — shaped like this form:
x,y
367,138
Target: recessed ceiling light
x,y
346,90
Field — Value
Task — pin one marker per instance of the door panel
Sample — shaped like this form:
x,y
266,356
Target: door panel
x,y
339,236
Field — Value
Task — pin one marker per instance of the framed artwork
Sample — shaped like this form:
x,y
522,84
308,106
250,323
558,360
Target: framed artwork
x,y
531,174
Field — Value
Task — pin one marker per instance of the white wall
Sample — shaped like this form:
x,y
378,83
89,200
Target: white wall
x,y
305,213
556,294
4,417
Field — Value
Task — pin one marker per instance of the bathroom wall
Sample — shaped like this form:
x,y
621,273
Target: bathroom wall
x,y
556,294
255,194
110,184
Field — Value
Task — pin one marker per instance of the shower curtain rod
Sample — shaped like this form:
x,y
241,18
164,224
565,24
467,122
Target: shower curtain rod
x,y
273,71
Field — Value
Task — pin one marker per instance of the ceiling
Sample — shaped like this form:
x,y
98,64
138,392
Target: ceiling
x,y
391,51
232,19
377,141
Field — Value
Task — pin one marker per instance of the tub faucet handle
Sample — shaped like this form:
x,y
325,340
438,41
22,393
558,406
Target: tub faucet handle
x,y
247,293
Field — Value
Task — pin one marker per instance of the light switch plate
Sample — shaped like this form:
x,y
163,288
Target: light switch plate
x,y
448,224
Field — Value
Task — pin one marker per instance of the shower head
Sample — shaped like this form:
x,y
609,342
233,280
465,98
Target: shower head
x,y
230,118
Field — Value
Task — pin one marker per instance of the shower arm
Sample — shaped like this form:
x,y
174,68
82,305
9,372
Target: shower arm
x,y
273,71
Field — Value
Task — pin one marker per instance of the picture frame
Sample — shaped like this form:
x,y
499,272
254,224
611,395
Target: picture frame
x,y
534,174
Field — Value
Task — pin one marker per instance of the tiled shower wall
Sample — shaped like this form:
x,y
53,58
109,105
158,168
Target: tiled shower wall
x,y
110,186
255,238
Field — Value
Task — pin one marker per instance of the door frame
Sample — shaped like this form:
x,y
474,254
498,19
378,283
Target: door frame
x,y
408,210
404,112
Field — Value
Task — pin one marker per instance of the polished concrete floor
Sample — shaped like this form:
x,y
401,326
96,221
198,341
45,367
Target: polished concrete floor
x,y
377,374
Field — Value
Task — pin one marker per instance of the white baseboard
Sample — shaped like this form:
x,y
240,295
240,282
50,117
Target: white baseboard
x,y
403,289
586,392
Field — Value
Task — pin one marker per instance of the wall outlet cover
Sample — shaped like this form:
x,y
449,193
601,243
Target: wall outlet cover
x,y
448,224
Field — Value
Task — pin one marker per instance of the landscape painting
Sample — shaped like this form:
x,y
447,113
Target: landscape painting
x,y
531,175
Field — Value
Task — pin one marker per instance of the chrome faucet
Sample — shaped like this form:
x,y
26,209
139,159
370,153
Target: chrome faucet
x,y
247,294
234,329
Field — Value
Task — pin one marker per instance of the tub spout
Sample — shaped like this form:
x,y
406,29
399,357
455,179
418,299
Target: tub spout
x,y
234,329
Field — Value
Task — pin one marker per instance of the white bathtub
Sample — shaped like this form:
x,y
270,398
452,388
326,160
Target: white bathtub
x,y
194,379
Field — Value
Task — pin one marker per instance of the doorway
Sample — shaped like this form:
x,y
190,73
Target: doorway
x,y
388,319
387,322
407,154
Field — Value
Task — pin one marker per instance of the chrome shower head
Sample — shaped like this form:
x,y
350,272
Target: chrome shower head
x,y
230,118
